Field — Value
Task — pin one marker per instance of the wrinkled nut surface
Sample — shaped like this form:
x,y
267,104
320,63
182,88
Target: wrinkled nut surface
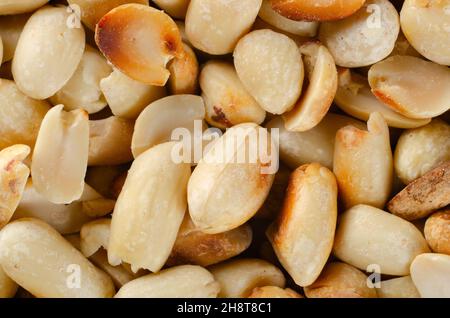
x,y
83,88
13,178
48,53
184,73
313,10
8,287
270,66
139,40
158,121
425,24
431,275
39,259
175,8
322,85
402,287
94,236
195,247
110,141
411,86
149,210
20,6
367,235
364,38
273,292
355,97
212,27
421,150
363,163
11,27
340,280
187,281
303,236
127,97
424,195
437,232
60,156
302,28
238,278
227,102
216,203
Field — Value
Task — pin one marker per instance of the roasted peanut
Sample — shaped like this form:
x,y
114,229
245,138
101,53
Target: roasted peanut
x,y
8,287
175,8
431,275
273,292
437,232
184,73
402,287
11,27
20,6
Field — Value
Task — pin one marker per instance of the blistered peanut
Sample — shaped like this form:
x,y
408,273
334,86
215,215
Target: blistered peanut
x,y
426,25
110,141
184,73
139,40
270,66
95,235
185,281
149,210
421,150
83,88
401,287
20,6
363,163
238,278
195,247
431,275
411,86
175,8
303,236
273,292
424,195
227,102
48,52
322,85
127,97
39,259
8,287
364,38
11,27
356,99
367,236
340,280
437,232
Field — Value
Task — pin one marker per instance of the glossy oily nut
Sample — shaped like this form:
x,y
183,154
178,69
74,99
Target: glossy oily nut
x,y
212,27
426,25
139,40
110,141
364,38
20,6
94,236
20,116
40,260
322,85
184,73
187,281
363,163
367,235
91,11
11,27
245,155
238,278
13,177
127,97
303,235
313,10
270,66
162,118
49,49
401,287
421,150
175,8
60,156
424,195
273,292
340,280
437,232
272,17
8,287
83,88
195,247
355,98
423,93
315,145
149,210
431,275
227,101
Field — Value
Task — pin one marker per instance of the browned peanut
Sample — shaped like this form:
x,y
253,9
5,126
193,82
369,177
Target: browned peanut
x,y
184,73
431,275
437,232
402,287
11,27
20,6
273,292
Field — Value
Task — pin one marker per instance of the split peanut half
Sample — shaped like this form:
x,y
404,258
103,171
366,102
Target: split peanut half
x,y
20,6
431,275
139,40
437,232
401,287
273,292
94,236
184,73
11,27
175,8
8,287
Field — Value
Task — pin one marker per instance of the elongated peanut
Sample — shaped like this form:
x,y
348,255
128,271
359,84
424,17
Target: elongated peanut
x,y
273,292
303,236
367,236
431,275
11,27
437,232
39,259
402,287
184,73
95,235
8,287
149,210
175,8
49,49
20,6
